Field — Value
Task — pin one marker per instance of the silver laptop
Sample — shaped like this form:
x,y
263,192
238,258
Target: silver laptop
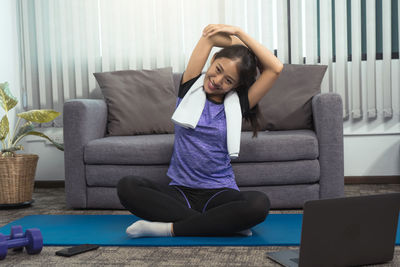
x,y
345,232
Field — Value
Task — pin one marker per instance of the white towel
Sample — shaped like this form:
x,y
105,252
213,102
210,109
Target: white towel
x,y
233,115
189,110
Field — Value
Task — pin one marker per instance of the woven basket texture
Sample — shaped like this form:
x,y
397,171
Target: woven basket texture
x,y
17,176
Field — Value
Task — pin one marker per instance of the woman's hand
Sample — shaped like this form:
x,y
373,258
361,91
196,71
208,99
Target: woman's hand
x,y
213,29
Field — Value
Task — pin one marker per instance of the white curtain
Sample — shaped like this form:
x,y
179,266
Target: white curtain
x,y
157,33
63,42
60,43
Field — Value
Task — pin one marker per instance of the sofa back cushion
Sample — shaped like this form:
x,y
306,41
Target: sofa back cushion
x,y
177,77
138,102
287,105
147,107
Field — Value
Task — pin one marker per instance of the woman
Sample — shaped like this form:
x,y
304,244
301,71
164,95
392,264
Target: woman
x,y
203,198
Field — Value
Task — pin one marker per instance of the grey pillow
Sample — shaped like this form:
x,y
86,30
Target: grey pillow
x,y
287,105
139,102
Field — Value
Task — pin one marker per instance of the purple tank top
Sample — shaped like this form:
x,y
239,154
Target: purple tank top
x,y
200,158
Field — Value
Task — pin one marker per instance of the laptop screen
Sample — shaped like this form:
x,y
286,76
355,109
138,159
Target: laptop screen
x,y
349,231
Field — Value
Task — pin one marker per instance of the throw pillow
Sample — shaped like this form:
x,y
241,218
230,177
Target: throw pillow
x,y
287,105
139,102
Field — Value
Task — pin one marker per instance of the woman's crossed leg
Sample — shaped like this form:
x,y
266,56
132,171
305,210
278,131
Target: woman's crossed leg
x,y
166,209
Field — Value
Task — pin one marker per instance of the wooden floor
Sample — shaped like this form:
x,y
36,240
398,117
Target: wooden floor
x,y
52,201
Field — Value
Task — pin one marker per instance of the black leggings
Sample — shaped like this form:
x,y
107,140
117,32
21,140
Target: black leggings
x,y
194,212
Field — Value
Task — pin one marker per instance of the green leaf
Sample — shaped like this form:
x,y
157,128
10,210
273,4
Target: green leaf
x,y
58,145
7,100
27,127
39,115
4,128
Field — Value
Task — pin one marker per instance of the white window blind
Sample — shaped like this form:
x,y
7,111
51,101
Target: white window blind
x,y
371,48
65,41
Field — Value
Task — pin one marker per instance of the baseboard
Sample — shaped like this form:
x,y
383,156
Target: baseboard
x,y
372,179
49,184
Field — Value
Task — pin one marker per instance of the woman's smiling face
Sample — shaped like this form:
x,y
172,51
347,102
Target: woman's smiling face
x,y
221,77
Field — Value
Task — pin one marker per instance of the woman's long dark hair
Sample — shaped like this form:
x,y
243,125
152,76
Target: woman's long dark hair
x,y
247,69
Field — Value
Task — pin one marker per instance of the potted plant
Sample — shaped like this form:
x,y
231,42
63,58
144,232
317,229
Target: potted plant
x,y
17,171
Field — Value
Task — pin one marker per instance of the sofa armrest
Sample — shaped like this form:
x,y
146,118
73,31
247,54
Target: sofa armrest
x,y
84,120
328,124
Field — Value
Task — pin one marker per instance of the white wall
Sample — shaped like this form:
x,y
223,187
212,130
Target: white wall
x,y
9,62
372,147
50,166
376,155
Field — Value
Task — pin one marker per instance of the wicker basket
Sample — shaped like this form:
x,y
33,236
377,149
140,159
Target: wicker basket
x,y
17,175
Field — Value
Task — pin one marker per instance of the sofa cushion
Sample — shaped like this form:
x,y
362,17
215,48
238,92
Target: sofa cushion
x,y
277,173
177,77
109,175
278,146
157,148
138,149
139,102
287,105
247,174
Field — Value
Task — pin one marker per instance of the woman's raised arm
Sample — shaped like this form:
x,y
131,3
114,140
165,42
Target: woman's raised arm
x,y
271,66
201,53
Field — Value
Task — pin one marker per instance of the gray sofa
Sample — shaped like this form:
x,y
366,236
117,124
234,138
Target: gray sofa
x,y
290,166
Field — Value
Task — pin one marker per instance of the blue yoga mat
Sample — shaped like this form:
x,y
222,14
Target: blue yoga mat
x,y
109,230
